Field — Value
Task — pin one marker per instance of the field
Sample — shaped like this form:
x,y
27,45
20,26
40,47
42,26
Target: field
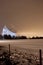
x,y
23,52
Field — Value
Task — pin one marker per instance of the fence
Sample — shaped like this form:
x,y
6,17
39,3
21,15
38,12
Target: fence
x,y
21,54
40,55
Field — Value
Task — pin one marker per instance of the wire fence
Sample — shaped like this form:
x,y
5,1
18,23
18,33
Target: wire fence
x,y
10,55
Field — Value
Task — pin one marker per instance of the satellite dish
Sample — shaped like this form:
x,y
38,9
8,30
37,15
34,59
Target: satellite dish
x,y
6,31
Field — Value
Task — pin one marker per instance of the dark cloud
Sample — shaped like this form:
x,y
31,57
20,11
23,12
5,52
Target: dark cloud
x,y
22,15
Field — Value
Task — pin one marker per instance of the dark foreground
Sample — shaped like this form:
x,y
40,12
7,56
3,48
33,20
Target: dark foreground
x,y
18,58
21,52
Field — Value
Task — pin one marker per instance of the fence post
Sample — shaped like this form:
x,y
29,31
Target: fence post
x,y
40,54
9,50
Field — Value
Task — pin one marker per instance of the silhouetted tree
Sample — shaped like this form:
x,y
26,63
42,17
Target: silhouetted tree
x,y
1,36
7,37
20,37
23,37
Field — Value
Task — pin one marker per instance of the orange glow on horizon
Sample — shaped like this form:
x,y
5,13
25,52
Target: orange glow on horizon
x,y
31,34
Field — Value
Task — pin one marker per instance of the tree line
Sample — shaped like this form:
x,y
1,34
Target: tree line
x,y
12,37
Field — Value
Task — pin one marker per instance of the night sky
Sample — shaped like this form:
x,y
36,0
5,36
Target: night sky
x,y
25,17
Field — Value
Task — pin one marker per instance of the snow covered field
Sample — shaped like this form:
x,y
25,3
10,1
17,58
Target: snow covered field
x,y
23,50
